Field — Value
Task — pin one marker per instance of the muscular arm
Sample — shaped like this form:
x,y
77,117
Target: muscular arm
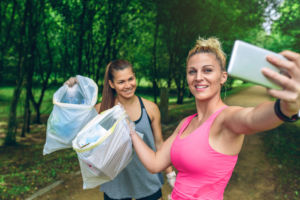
x,y
251,120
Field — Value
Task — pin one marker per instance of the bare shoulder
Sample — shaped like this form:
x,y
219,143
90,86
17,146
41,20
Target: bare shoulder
x,y
97,107
151,108
182,121
223,122
179,126
148,103
228,112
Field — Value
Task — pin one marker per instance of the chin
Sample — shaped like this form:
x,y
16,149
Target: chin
x,y
128,95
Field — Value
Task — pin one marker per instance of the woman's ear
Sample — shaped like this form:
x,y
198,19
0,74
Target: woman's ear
x,y
224,77
111,84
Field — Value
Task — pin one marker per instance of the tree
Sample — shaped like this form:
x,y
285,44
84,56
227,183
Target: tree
x,y
10,138
285,29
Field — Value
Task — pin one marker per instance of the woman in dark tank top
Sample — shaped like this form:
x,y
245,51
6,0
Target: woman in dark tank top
x,y
134,181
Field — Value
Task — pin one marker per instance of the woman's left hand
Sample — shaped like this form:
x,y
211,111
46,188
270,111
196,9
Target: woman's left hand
x,y
289,81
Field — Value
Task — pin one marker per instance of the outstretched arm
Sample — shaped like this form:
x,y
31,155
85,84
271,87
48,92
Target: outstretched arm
x,y
263,117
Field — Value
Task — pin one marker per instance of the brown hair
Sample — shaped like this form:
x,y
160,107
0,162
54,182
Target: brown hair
x,y
108,93
210,45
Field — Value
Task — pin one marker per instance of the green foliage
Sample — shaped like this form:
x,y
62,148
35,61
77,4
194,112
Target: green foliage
x,y
287,26
285,32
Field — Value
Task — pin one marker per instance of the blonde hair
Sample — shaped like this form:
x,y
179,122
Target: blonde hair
x,y
210,45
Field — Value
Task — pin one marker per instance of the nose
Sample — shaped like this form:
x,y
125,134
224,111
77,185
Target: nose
x,y
127,84
199,75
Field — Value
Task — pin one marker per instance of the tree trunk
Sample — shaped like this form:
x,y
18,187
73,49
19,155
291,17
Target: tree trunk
x,y
154,64
37,105
170,70
10,138
26,117
32,41
82,29
7,39
164,104
180,84
180,97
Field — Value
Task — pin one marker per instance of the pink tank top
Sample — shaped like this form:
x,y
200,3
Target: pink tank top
x,y
203,173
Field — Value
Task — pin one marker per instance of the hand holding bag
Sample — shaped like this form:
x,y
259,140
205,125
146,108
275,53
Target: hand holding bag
x,y
104,147
73,109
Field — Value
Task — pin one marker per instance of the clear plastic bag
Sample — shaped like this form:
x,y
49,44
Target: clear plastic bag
x,y
73,95
104,147
73,109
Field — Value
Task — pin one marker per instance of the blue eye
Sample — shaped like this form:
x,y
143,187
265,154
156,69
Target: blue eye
x,y
208,70
191,72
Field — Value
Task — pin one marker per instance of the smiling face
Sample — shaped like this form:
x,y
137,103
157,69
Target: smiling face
x,y
204,76
123,82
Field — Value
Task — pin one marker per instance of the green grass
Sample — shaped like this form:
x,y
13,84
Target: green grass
x,y
6,94
283,148
24,169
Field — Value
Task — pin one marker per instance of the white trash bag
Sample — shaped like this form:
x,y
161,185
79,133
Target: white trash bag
x,y
73,109
104,147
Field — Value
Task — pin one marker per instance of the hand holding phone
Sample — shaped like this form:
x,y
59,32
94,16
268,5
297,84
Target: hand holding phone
x,y
247,61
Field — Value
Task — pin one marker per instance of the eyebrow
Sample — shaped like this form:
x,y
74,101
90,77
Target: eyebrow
x,y
125,79
204,66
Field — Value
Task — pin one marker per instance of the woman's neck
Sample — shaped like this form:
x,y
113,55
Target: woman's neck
x,y
207,107
125,101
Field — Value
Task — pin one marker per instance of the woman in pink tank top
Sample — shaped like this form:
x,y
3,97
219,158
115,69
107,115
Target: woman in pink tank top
x,y
204,147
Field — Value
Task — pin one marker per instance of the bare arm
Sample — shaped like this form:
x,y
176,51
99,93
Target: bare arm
x,y
155,118
97,107
251,120
154,161
263,117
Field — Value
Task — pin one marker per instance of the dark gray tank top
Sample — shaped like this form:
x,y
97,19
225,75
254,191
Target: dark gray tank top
x,y
135,181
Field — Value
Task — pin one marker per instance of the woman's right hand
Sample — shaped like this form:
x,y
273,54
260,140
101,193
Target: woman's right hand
x,y
290,81
71,81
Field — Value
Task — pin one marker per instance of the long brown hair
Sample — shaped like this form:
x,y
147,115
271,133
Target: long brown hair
x,y
108,93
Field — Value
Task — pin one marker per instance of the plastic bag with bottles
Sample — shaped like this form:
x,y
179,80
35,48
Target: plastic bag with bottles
x,y
104,147
73,109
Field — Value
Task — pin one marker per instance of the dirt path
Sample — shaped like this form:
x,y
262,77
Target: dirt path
x,y
252,178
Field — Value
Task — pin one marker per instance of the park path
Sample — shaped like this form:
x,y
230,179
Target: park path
x,y
252,179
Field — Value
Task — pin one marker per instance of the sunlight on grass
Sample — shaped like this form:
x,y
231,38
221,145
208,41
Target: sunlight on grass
x,y
6,94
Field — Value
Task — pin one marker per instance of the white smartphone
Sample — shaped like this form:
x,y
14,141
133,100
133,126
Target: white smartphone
x,y
246,62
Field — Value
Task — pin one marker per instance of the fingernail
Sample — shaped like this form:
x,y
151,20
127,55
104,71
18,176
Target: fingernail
x,y
263,69
270,58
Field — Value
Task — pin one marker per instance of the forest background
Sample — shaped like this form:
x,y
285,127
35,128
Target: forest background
x,y
43,43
